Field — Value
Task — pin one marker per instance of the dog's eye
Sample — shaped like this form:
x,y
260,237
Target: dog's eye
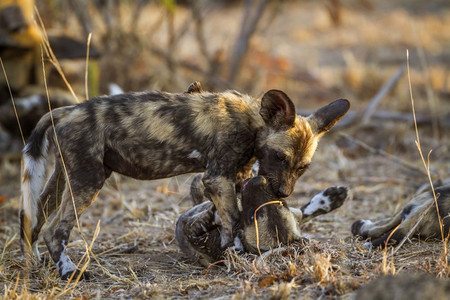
x,y
280,156
302,169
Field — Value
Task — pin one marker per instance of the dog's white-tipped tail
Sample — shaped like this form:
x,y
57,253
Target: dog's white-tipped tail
x,y
33,180
25,219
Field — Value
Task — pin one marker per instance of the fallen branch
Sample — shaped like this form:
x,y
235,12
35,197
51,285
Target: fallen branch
x,y
371,107
383,153
249,23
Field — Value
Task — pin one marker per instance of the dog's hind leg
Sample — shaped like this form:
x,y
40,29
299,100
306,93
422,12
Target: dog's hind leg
x,y
86,180
419,207
396,234
373,230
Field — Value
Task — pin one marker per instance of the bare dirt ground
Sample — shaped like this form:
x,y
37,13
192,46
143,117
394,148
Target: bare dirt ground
x,y
135,254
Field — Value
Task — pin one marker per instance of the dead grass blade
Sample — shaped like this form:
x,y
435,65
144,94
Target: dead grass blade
x,y
56,139
426,163
86,86
256,221
388,268
52,57
370,109
8,243
12,101
410,232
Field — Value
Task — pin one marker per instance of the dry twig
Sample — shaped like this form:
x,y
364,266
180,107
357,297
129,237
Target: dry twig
x,y
371,107
249,23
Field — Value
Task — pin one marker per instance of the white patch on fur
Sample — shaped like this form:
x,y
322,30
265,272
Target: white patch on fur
x,y
366,226
217,219
293,226
32,187
66,263
319,201
255,168
412,211
194,154
368,246
297,212
239,204
223,239
36,252
238,244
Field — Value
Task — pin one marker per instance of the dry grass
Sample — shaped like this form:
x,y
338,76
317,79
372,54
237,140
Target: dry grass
x,y
132,252
135,253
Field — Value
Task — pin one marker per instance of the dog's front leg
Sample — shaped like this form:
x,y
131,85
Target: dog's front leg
x,y
221,191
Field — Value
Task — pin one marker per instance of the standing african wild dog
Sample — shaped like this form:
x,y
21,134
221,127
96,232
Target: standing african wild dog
x,y
379,232
198,229
150,135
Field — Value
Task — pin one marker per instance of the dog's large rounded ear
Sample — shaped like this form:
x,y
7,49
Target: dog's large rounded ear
x,y
325,118
277,110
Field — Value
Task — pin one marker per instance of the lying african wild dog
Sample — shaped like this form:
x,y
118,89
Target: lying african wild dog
x,y
429,227
198,229
150,135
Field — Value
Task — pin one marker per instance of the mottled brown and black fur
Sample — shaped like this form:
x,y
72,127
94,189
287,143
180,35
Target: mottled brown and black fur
x,y
394,229
198,229
150,135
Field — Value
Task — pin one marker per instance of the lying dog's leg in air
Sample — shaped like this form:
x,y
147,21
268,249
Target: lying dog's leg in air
x,y
198,190
324,202
198,234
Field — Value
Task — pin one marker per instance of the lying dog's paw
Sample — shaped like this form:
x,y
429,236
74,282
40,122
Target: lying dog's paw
x,y
326,201
336,195
359,228
68,275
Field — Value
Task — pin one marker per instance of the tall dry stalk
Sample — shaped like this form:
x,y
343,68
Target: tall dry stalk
x,y
86,73
12,101
426,164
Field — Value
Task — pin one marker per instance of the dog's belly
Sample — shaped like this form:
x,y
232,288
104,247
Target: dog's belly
x,y
152,163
